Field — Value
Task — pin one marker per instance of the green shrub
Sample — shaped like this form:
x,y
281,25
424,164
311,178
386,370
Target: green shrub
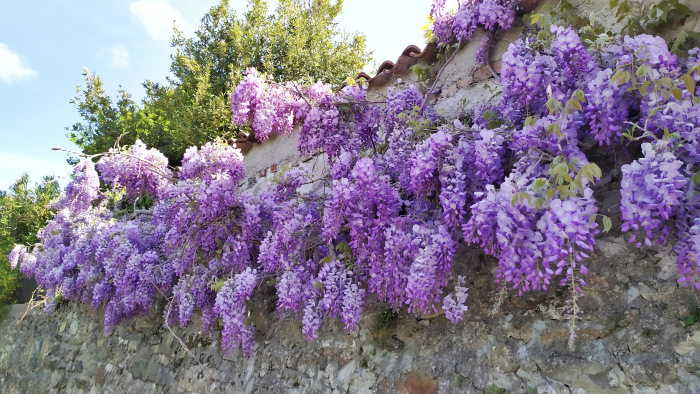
x,y
23,211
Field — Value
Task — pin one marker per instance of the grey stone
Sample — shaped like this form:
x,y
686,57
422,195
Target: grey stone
x,y
362,382
692,381
667,268
345,373
691,344
632,294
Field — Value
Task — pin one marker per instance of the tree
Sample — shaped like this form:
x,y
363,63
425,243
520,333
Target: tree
x,y
300,41
103,122
23,212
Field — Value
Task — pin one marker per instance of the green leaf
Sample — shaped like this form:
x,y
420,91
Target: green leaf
x,y
679,41
561,170
677,93
489,115
622,9
591,171
668,82
607,224
344,248
575,104
563,192
622,75
553,104
514,200
696,178
666,94
535,18
555,129
575,186
680,8
644,70
689,83
580,95
520,197
539,183
539,202
643,88
218,285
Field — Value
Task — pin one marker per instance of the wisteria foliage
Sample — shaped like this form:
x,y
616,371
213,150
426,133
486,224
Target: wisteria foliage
x,y
405,187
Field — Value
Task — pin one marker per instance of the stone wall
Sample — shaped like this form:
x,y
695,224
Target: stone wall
x,y
634,336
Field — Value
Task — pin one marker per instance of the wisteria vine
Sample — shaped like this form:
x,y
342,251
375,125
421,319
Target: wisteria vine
x,y
406,186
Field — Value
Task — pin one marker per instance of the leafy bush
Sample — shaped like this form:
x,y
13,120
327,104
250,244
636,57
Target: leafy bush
x,y
23,212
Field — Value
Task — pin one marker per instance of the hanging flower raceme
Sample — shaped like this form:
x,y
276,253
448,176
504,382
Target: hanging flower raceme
x,y
139,171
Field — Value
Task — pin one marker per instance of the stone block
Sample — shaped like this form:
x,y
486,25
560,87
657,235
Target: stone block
x,y
416,383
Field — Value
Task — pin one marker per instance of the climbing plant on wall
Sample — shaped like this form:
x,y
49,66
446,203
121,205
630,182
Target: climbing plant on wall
x,y
406,184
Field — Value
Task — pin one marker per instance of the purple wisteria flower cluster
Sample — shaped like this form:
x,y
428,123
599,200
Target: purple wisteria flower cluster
x,y
404,187
462,23
139,171
230,306
329,120
653,188
454,306
531,76
266,108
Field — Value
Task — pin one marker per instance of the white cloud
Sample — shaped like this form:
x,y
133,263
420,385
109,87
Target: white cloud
x,y
118,56
11,68
158,16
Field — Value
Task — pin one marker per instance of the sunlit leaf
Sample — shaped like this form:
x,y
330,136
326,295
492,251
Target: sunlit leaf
x,y
575,104
689,83
607,224
677,93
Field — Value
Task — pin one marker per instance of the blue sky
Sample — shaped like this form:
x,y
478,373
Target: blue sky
x,y
46,44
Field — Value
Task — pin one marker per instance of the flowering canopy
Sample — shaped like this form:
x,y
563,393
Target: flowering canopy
x,y
406,187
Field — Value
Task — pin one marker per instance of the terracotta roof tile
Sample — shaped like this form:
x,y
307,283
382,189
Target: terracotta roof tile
x,y
428,53
381,79
410,49
410,56
386,65
363,75
406,61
